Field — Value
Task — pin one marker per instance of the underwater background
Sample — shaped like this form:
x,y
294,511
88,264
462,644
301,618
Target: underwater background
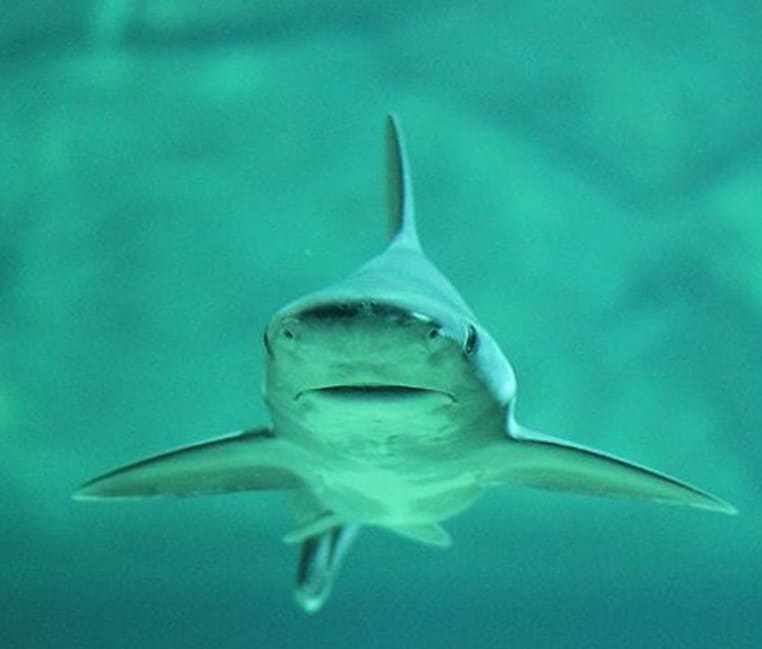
x,y
588,174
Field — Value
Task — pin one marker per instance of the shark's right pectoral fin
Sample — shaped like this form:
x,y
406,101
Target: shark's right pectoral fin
x,y
249,460
540,461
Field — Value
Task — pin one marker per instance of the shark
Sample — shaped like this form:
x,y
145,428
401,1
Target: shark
x,y
390,406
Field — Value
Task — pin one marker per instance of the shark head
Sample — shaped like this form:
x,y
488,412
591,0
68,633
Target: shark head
x,y
366,348
394,332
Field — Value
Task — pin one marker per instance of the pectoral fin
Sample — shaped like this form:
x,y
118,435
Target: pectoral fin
x,y
249,460
540,461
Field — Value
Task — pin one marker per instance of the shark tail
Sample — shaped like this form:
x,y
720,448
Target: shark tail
x,y
319,562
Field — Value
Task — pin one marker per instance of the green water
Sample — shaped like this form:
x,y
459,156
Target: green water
x,y
587,174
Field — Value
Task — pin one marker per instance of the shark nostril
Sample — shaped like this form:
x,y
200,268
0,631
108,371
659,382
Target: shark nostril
x,y
434,339
287,334
288,328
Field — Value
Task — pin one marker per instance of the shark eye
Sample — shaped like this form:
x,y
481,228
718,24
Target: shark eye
x,y
288,333
472,341
433,333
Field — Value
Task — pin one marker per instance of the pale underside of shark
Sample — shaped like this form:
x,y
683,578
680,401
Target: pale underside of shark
x,y
391,406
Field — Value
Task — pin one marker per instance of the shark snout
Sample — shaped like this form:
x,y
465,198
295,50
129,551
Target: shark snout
x,y
365,332
348,352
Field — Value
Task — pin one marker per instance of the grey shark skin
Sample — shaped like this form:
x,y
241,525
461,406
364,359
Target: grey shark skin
x,y
391,406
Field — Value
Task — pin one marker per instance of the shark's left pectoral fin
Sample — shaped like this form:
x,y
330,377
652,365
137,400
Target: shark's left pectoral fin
x,y
540,461
249,460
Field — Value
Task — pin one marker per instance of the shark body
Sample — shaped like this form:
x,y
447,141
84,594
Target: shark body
x,y
390,406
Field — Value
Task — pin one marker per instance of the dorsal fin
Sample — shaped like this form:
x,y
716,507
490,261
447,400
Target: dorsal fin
x,y
400,186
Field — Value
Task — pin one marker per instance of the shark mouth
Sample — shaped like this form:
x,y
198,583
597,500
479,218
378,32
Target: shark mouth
x,y
374,392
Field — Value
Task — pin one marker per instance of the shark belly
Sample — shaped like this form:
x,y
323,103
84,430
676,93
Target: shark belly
x,y
363,493
390,460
